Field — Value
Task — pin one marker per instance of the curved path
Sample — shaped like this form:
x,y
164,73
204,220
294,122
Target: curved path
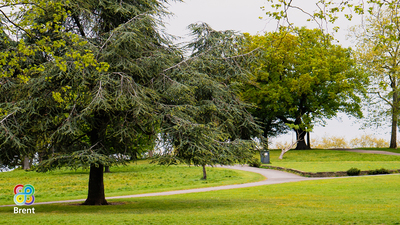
x,y
273,177
369,151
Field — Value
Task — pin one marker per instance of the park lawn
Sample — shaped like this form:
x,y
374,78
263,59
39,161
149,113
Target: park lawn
x,y
135,178
338,166
332,160
350,200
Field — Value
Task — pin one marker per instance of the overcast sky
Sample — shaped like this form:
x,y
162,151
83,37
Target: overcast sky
x,y
243,16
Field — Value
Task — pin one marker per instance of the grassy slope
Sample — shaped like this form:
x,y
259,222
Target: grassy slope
x,y
135,178
355,200
333,160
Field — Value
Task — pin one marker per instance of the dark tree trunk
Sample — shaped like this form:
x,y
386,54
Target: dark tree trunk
x,y
96,194
301,142
26,163
308,140
300,136
393,138
106,169
41,156
204,173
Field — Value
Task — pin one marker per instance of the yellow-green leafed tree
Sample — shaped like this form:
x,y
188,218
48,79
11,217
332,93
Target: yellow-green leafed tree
x,y
301,77
378,50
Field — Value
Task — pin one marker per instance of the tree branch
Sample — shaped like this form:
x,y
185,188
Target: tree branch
x,y
7,117
384,99
112,33
21,3
284,150
245,54
9,20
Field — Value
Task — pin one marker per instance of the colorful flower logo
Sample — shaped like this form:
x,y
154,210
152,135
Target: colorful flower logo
x,y
24,194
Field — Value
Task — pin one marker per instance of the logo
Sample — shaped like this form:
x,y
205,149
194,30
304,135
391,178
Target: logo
x,y
24,194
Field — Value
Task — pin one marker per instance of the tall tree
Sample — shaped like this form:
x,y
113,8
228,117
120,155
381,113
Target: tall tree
x,y
300,78
113,82
379,52
210,124
91,108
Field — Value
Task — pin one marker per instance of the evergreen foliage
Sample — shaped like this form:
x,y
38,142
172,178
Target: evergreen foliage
x,y
208,124
114,83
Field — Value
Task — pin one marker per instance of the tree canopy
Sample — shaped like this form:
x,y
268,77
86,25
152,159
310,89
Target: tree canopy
x,y
111,81
299,78
378,51
210,124
378,16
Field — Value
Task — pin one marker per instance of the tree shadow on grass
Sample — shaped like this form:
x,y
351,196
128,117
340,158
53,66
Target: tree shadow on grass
x,y
142,206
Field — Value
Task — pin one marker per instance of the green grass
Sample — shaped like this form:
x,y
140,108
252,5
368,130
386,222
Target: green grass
x,y
355,200
135,178
333,160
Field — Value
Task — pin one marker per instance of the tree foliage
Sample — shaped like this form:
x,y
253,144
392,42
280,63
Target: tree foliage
x,y
322,12
378,51
115,83
300,78
209,124
382,20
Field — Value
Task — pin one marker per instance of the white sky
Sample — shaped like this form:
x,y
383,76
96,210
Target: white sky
x,y
243,16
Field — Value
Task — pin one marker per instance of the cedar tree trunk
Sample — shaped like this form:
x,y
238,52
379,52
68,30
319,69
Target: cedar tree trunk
x,y
26,163
41,154
96,194
204,173
96,186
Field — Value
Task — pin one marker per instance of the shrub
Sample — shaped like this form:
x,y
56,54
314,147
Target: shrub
x,y
378,171
329,142
283,145
370,141
254,162
353,172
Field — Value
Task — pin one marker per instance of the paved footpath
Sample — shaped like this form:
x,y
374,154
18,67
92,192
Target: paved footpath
x,y
369,151
272,177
